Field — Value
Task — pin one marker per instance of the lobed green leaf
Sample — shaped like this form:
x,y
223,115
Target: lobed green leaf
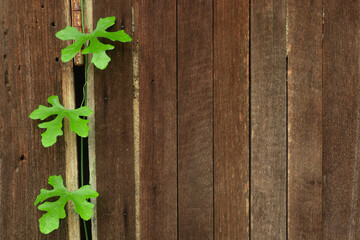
x,y
97,48
56,210
54,127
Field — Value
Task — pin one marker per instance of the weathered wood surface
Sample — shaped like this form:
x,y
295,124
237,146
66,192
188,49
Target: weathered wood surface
x,y
198,135
155,37
30,72
88,19
114,143
341,106
268,120
71,155
195,119
231,119
305,119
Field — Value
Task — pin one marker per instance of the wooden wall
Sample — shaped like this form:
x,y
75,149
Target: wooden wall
x,y
30,72
221,120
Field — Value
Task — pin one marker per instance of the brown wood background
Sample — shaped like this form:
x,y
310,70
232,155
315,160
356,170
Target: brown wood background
x,y
221,120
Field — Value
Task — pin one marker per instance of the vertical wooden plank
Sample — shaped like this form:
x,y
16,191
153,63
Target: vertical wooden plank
x,y
71,156
136,117
231,119
114,131
88,15
195,119
30,72
155,36
305,119
268,120
341,106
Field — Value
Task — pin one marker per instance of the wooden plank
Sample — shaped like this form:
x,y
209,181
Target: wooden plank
x,y
114,131
88,15
71,155
136,114
341,106
268,120
155,39
231,119
305,119
30,71
195,119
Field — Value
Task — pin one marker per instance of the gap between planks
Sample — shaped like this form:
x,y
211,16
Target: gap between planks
x,y
88,15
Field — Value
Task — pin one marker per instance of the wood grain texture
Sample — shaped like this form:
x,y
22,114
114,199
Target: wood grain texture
x,y
195,119
114,131
155,35
341,106
88,15
305,119
231,119
268,120
30,72
71,154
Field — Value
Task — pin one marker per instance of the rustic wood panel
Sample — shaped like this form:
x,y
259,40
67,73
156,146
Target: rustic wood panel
x,y
305,119
88,15
30,72
231,119
155,36
341,105
214,136
195,119
114,143
268,120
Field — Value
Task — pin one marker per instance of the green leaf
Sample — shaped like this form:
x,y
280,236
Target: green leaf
x,y
98,49
56,210
77,125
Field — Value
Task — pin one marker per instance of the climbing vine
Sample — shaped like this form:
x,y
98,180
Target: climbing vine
x,y
90,43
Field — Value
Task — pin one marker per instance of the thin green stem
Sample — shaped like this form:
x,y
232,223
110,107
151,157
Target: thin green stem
x,y
82,161
85,230
84,100
83,9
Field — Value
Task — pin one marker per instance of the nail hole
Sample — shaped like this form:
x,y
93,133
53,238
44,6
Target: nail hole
x,y
312,182
6,32
19,67
152,81
123,132
155,189
122,26
42,6
57,59
5,56
36,21
22,157
125,213
6,74
53,24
